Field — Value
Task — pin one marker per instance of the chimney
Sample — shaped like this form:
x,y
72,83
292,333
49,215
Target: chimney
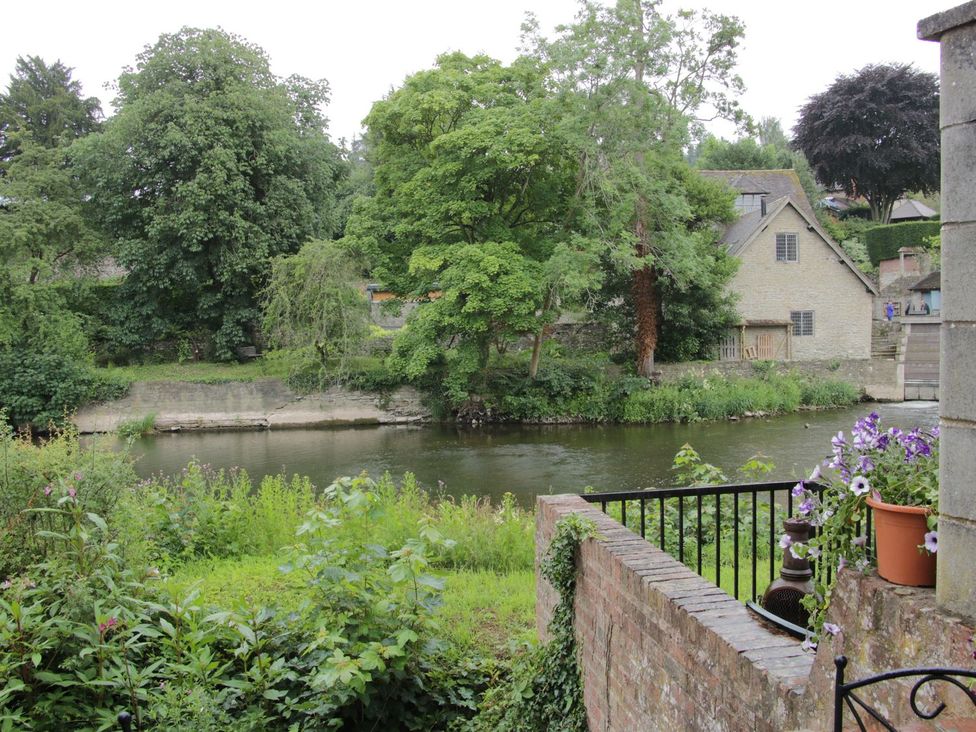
x,y
762,206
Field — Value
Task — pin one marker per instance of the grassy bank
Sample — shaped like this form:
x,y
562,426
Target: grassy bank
x,y
565,390
208,601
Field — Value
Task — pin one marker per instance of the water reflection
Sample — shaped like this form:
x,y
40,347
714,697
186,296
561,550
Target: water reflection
x,y
526,460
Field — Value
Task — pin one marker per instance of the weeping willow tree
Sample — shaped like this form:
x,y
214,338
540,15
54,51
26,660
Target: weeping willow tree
x,y
313,308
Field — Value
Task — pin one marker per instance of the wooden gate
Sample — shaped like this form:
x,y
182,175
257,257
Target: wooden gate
x,y
728,349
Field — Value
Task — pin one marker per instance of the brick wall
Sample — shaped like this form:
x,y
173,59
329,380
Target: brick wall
x,y
664,649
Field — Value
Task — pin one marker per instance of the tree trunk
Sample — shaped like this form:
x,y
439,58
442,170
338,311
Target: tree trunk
x,y
537,351
644,289
540,335
644,284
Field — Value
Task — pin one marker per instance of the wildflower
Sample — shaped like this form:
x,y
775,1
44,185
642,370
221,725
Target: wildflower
x,y
798,490
859,486
785,541
72,492
831,628
79,476
932,542
47,490
6,584
808,645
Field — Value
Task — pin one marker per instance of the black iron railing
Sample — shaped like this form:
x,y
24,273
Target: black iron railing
x,y
722,532
867,715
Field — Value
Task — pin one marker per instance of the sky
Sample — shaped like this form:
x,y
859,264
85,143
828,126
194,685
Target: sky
x,y
792,48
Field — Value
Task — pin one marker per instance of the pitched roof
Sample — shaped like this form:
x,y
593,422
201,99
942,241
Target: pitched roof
x,y
911,209
771,183
931,281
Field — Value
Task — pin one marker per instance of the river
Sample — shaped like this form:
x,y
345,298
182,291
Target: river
x,y
526,460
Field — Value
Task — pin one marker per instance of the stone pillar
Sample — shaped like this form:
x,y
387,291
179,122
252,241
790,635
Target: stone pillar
x,y
955,30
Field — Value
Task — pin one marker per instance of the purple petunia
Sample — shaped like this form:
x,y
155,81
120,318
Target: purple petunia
x,y
932,542
798,490
806,507
831,628
784,541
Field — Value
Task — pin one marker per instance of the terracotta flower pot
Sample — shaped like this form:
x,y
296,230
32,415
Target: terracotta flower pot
x,y
899,531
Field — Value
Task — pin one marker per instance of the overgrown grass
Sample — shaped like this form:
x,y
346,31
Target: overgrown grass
x,y
137,427
485,613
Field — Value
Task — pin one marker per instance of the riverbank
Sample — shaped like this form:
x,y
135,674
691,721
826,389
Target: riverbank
x,y
176,398
260,404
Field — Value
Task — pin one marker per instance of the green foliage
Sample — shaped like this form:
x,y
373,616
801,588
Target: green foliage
x,y
43,101
41,386
883,242
875,133
312,306
131,428
691,399
202,513
82,636
489,297
545,691
231,167
891,465
36,477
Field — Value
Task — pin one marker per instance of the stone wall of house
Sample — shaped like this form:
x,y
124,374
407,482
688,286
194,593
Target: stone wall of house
x,y
664,649
881,379
819,281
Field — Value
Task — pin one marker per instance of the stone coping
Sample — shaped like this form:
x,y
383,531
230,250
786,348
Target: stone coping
x,y
932,27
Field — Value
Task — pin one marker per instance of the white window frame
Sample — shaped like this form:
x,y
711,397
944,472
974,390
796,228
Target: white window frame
x,y
803,323
788,238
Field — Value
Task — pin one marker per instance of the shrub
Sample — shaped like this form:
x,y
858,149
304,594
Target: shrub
x,y
36,476
883,242
82,636
39,389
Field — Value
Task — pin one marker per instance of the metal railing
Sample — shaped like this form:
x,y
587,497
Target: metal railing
x,y
714,529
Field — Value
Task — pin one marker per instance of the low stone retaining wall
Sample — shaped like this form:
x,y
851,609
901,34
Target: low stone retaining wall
x,y
880,379
663,649
261,404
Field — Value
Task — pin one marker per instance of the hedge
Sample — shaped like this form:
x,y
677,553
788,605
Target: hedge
x,y
883,242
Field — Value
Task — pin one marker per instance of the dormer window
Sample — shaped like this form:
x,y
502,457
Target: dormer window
x,y
787,248
748,202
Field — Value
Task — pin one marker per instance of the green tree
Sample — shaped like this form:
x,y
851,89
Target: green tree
x,y
313,306
490,295
639,82
472,154
875,133
211,167
43,100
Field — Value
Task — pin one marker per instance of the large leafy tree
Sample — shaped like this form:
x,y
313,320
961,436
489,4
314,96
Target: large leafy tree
x,y
639,81
473,173
45,239
875,133
44,101
211,167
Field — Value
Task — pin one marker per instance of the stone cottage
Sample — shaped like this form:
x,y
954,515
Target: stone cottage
x,y
800,295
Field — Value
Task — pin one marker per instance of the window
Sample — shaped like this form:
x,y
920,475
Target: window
x,y
787,249
802,322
